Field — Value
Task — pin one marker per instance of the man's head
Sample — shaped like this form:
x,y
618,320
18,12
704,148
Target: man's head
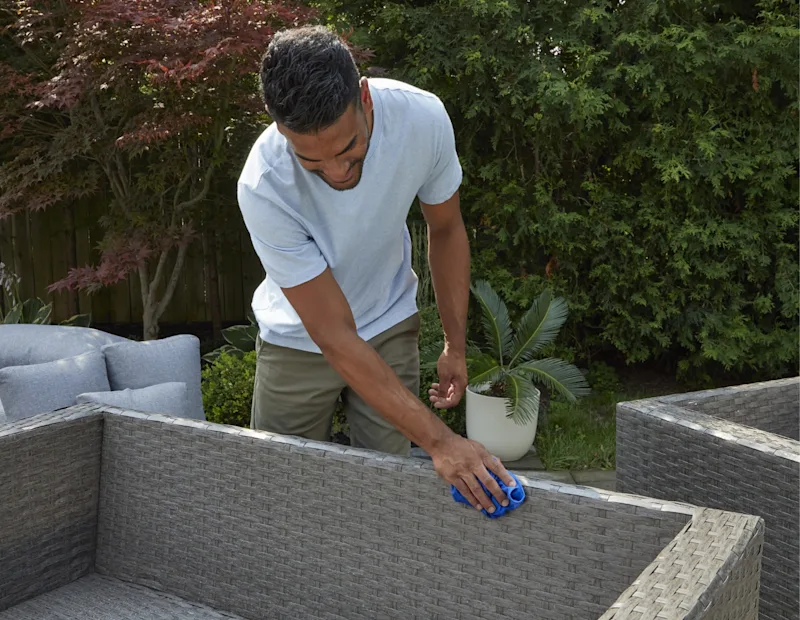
x,y
312,90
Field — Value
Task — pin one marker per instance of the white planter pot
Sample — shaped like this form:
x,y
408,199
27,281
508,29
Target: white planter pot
x,y
487,424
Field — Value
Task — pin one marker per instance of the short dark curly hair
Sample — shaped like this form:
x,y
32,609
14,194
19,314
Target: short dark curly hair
x,y
308,79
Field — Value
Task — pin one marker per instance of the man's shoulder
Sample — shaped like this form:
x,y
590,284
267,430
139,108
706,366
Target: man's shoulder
x,y
395,94
268,156
390,85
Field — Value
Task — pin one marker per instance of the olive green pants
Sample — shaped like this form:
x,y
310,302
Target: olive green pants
x,y
296,392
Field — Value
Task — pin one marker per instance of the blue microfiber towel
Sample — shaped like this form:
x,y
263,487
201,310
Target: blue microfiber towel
x,y
516,496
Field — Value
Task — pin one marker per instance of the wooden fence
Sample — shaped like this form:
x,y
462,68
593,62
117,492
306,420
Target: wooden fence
x,y
41,247
38,248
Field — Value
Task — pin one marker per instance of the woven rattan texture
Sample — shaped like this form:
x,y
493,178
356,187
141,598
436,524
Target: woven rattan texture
x,y
679,574
772,406
274,527
95,597
674,453
49,479
277,528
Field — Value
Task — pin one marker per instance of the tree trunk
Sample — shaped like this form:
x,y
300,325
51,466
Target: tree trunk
x,y
150,324
212,282
153,307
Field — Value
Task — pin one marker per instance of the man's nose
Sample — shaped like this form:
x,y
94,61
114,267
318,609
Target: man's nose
x,y
338,172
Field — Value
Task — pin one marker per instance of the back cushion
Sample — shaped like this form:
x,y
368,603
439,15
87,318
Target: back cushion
x,y
37,388
142,364
36,344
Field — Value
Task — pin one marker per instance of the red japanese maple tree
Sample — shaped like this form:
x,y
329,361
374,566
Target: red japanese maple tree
x,y
152,99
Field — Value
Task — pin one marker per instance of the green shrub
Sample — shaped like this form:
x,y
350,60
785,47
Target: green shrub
x,y
639,160
431,338
603,378
227,387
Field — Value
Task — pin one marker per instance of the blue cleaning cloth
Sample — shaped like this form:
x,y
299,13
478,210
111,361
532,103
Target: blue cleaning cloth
x,y
516,496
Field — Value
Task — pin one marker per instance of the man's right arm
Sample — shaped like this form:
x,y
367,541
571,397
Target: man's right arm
x,y
327,317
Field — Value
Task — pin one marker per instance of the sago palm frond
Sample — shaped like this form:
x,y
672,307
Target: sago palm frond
x,y
429,356
522,405
557,375
495,320
482,368
539,326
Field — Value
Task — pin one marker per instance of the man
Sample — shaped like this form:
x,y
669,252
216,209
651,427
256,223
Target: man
x,y
325,194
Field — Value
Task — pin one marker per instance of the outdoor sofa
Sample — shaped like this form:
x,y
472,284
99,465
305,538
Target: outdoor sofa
x,y
114,514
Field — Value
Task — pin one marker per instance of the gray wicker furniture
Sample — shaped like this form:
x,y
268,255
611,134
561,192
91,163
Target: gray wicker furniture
x,y
732,449
119,515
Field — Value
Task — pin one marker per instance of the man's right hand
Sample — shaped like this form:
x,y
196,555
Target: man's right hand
x,y
463,463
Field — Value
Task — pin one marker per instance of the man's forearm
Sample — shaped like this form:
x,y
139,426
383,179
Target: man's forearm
x,y
448,255
371,377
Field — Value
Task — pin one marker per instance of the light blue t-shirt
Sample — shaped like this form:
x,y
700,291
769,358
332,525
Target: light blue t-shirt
x,y
299,225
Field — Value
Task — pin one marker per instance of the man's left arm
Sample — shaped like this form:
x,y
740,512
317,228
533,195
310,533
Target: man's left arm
x,y
448,256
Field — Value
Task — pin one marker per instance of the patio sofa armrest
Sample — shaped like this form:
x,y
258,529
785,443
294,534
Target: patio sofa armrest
x,y
710,570
49,486
694,448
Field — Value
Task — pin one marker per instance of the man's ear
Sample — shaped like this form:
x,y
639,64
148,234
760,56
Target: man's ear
x,y
366,96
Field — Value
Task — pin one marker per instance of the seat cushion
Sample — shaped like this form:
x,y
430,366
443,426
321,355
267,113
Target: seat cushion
x,y
142,364
37,388
97,596
36,344
168,398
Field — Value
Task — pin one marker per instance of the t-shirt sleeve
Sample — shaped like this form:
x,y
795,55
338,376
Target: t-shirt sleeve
x,y
287,252
446,174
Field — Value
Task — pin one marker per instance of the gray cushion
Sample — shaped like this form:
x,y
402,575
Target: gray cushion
x,y
36,344
168,398
36,388
142,364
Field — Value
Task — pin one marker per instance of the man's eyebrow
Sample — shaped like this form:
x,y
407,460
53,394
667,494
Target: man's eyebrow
x,y
347,148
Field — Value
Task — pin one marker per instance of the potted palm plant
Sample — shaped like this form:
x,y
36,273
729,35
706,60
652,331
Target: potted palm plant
x,y
502,397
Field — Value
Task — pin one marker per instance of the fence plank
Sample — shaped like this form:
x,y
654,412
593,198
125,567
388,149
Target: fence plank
x,y
40,254
7,258
196,277
230,275
120,302
252,272
59,261
101,300
23,263
135,292
83,253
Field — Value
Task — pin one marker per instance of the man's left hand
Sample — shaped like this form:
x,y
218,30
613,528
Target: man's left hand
x,y
452,369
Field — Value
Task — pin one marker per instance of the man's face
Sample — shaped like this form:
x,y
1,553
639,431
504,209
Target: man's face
x,y
336,154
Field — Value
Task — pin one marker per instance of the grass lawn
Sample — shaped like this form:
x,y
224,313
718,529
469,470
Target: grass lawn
x,y
579,435
582,435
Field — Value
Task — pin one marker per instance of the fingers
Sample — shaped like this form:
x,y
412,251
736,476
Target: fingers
x,y
494,488
444,387
467,494
450,398
458,389
439,401
496,466
480,494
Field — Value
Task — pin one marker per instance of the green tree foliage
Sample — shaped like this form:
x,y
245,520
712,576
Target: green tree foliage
x,y
640,158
